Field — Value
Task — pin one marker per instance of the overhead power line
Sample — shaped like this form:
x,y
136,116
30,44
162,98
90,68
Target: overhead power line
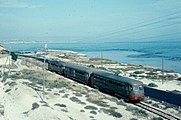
x,y
128,29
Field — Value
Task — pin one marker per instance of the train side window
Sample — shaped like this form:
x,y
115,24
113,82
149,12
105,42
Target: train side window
x,y
130,88
141,87
136,88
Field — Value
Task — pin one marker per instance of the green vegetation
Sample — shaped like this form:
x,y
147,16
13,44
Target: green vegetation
x,y
93,112
91,66
14,56
12,84
56,84
1,110
113,108
56,94
179,78
65,96
91,107
61,91
60,105
111,112
74,99
35,106
138,72
133,119
7,90
152,85
98,102
137,111
78,94
82,110
157,118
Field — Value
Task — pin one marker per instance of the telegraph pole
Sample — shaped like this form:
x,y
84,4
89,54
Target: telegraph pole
x,y
9,59
101,59
44,72
162,70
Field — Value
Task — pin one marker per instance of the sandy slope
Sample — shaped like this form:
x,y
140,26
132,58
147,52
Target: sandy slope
x,y
21,100
17,97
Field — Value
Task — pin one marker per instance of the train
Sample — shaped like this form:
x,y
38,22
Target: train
x,y
129,89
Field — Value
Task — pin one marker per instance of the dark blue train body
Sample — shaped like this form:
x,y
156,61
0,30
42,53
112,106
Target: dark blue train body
x,y
129,89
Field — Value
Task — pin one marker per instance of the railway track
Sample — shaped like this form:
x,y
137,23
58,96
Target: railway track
x,y
157,111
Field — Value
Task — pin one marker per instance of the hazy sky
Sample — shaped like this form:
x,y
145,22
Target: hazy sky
x,y
90,20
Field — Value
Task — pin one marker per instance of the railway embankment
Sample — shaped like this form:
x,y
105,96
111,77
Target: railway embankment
x,y
23,98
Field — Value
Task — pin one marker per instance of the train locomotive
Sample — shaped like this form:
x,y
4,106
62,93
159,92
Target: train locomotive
x,y
127,88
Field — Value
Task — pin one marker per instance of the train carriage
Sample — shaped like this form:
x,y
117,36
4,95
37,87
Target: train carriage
x,y
56,66
127,88
78,73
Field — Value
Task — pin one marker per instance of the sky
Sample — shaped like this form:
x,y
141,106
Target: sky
x,y
90,20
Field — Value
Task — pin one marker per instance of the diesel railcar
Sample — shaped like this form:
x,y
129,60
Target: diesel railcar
x,y
78,73
56,66
129,89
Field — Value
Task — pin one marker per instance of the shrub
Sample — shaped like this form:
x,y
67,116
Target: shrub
x,y
90,107
138,72
98,102
74,99
64,110
82,110
61,91
91,66
7,90
60,105
93,112
56,94
65,96
152,85
111,112
136,111
133,119
113,108
157,118
12,84
35,106
179,78
1,110
56,84
78,94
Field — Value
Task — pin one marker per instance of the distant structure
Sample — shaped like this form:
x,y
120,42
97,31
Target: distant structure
x,y
5,58
1,47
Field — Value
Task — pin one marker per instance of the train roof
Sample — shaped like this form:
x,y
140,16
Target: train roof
x,y
117,77
81,68
57,62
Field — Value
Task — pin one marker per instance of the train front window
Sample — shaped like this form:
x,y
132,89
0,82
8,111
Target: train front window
x,y
136,88
140,87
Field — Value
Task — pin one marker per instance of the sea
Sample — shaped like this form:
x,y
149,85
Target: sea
x,y
159,54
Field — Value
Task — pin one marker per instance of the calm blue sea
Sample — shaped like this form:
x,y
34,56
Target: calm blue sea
x,y
144,53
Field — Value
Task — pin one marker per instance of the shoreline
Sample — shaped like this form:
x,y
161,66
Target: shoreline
x,y
123,57
67,99
149,54
146,74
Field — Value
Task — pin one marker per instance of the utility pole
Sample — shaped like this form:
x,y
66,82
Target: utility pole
x,y
101,59
9,59
162,70
44,72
